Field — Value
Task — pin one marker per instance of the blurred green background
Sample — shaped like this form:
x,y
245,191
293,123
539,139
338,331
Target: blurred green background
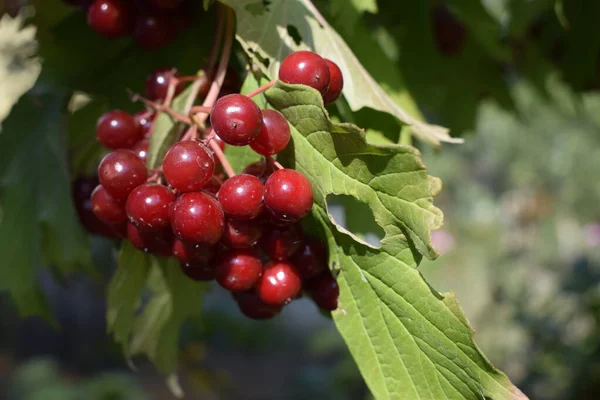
x,y
519,81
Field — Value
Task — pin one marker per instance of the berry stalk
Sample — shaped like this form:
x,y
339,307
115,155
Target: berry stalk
x,y
263,88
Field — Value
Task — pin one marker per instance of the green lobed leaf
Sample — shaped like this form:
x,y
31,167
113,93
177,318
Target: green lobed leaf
x,y
38,225
409,341
267,31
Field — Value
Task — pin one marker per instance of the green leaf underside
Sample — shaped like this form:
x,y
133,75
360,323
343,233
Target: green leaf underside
x,y
154,330
262,31
37,220
409,341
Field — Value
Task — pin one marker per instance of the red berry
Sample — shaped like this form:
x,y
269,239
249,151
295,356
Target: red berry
x,y
153,31
311,259
199,272
236,119
144,119
336,83
159,243
241,233
81,191
192,254
213,186
166,4
279,284
274,135
197,218
324,290
120,172
118,130
305,68
260,169
253,307
281,243
288,195
241,197
238,270
148,206
188,166
108,209
157,83
111,18
141,149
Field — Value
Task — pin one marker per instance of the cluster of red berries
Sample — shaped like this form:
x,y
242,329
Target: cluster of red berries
x,y
151,23
244,231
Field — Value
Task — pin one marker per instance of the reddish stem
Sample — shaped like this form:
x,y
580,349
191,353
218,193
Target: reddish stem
x,y
163,108
274,162
191,133
262,88
221,157
200,109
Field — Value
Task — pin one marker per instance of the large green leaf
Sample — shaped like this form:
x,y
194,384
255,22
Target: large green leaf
x,y
37,220
409,341
271,30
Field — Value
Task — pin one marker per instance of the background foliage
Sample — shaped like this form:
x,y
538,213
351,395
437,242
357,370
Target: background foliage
x,y
521,234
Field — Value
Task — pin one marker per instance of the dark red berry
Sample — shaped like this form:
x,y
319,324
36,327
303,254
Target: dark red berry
x,y
148,206
305,68
153,30
241,233
199,272
239,269
311,259
279,284
324,290
274,135
213,186
236,119
260,169
336,83
144,119
118,130
108,209
166,4
141,149
120,172
288,195
253,307
192,254
188,166
197,218
81,190
449,31
110,18
157,83
281,243
159,243
241,197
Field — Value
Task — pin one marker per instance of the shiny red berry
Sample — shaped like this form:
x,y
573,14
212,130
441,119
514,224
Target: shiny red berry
x,y
253,307
81,190
153,30
236,119
324,290
274,135
241,196
336,83
305,68
239,233
159,243
157,83
148,206
280,243
141,149
110,18
118,130
213,186
145,120
239,269
311,259
280,283
108,209
120,172
197,218
192,254
288,195
188,166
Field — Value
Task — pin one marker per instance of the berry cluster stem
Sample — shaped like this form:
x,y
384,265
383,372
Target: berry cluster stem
x,y
263,88
222,158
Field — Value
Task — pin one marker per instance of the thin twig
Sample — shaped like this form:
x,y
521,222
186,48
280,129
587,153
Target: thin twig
x,y
163,108
222,158
262,88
